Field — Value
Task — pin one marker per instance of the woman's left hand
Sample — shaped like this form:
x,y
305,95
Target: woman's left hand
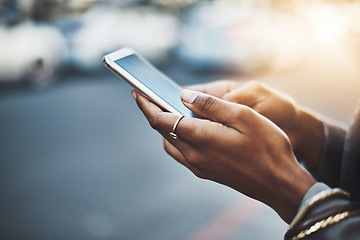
x,y
236,147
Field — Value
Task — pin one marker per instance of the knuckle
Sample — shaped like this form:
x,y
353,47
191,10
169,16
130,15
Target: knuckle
x,y
197,164
255,86
208,102
198,133
243,111
198,173
194,159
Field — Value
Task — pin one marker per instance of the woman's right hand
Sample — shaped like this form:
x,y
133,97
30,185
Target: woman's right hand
x,y
304,129
234,146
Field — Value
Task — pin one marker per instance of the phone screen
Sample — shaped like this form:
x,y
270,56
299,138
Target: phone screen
x,y
156,81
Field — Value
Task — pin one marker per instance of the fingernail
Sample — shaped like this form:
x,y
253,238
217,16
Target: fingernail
x,y
133,93
188,96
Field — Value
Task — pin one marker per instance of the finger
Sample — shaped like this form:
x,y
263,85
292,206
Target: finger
x,y
217,88
248,94
158,119
175,153
161,121
216,109
179,157
144,103
191,131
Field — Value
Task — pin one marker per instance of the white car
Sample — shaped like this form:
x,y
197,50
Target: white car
x,y
30,52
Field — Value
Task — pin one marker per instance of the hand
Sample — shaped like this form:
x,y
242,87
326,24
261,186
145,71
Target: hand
x,y
304,129
238,147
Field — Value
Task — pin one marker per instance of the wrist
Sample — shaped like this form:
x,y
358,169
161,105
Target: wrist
x,y
310,138
292,188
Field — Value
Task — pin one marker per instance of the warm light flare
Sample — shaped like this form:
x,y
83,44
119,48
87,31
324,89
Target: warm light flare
x,y
326,24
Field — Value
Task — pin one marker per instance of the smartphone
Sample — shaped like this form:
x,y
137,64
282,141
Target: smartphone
x,y
147,79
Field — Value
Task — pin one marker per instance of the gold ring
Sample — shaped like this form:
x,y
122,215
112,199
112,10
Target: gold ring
x,y
172,133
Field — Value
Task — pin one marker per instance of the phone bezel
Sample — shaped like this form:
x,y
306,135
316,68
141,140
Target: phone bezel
x,y
109,61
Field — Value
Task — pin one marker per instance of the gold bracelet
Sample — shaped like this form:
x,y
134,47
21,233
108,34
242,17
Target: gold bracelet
x,y
321,224
316,199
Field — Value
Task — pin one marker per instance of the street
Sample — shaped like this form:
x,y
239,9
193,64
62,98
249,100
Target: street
x,y
79,161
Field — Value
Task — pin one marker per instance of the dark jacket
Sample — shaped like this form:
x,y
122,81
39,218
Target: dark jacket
x,y
339,168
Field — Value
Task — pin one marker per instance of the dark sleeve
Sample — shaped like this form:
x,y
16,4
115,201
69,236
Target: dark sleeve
x,y
332,213
350,169
331,218
330,164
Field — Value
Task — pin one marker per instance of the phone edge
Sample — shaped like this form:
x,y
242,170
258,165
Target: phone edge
x,y
125,75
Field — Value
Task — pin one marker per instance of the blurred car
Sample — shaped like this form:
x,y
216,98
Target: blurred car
x,y
29,52
105,28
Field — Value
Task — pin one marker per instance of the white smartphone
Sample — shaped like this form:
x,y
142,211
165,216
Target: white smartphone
x,y
144,77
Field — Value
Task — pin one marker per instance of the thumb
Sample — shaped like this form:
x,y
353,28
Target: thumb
x,y
210,107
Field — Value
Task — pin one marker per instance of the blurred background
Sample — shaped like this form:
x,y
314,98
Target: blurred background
x,y
77,158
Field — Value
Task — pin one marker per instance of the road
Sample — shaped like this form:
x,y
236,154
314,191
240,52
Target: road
x,y
79,161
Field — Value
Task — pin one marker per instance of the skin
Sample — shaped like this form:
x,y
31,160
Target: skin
x,y
235,146
304,129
